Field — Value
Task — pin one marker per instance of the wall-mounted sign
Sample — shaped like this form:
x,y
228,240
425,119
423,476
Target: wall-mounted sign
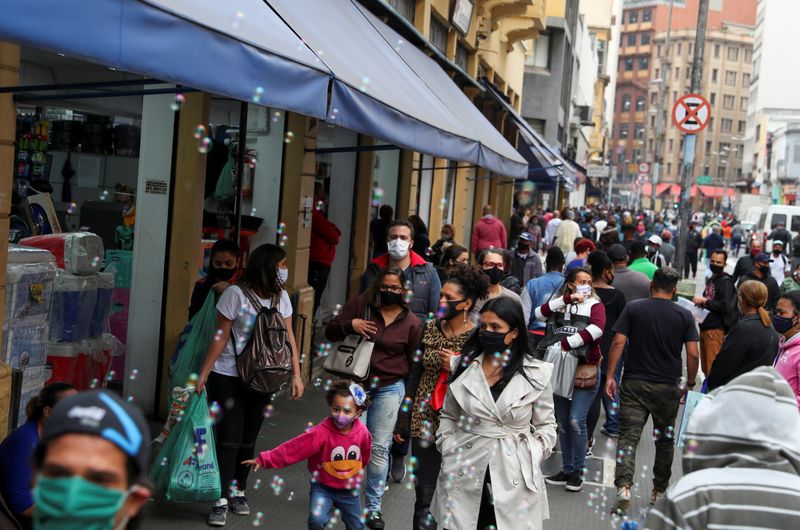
x,y
462,15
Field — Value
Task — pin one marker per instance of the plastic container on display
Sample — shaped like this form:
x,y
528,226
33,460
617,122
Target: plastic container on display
x,y
102,309
85,364
74,300
79,253
30,279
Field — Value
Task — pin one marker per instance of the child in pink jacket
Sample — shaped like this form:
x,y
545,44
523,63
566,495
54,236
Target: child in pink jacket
x,y
337,451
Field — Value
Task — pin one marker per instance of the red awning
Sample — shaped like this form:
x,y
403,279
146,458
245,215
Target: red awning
x,y
713,191
660,188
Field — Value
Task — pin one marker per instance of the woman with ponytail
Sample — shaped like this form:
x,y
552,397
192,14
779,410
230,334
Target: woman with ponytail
x,y
16,452
752,342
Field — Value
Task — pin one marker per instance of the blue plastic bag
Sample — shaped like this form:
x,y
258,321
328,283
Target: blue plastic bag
x,y
693,399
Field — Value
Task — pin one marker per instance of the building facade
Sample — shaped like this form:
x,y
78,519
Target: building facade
x,y
636,109
774,108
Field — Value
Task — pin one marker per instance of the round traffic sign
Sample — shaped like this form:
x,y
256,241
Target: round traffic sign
x,y
691,113
644,167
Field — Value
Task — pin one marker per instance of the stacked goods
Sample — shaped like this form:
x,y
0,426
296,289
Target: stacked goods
x,y
121,262
30,274
80,349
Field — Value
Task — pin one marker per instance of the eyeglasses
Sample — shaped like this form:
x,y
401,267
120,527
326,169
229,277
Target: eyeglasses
x,y
390,288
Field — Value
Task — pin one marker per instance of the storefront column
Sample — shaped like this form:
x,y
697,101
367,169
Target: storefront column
x,y
297,202
463,207
407,187
361,214
9,76
504,199
482,184
439,207
183,249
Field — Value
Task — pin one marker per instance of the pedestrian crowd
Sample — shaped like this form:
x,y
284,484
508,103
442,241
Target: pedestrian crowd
x,y
479,360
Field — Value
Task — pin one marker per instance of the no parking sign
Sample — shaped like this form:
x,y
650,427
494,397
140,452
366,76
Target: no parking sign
x,y
691,113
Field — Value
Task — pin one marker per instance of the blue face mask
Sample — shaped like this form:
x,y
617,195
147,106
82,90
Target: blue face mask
x,y
782,324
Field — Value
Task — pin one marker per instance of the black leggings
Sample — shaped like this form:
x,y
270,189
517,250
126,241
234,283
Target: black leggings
x,y
237,430
429,460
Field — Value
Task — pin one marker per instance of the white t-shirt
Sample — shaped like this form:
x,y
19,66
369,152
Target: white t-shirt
x,y
235,305
778,267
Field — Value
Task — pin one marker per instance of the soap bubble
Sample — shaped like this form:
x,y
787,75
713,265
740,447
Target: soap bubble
x,y
257,93
178,102
214,411
252,211
364,84
104,195
257,485
205,145
281,227
238,17
276,116
290,496
283,241
309,426
336,309
268,411
199,132
258,520
72,208
133,375
289,138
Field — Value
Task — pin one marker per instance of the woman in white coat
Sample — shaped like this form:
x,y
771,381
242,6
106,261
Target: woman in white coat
x,y
496,427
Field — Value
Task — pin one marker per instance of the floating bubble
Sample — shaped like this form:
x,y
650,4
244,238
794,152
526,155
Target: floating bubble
x,y
364,84
429,251
258,520
276,116
336,309
110,375
72,208
104,195
95,262
252,211
374,382
133,375
218,334
178,102
268,411
199,132
430,317
289,137
257,485
94,383
205,145
442,311
164,461
257,93
130,399
192,381
238,17
290,497
443,203
283,241
317,382
309,426
214,411
281,227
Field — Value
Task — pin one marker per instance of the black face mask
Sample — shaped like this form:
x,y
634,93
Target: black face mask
x,y
492,342
494,274
452,312
523,248
221,274
716,269
764,270
610,279
390,298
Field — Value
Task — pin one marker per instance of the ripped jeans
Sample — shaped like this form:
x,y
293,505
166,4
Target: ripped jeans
x,y
380,420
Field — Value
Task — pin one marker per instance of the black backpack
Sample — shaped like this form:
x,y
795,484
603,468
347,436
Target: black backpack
x,y
265,363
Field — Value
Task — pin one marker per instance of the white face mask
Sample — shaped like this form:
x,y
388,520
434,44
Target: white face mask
x,y
398,248
283,276
583,289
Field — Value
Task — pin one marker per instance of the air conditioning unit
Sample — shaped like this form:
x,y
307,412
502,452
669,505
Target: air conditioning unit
x,y
584,114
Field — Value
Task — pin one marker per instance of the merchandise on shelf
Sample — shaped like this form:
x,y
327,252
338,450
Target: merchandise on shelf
x,y
78,253
102,309
74,300
84,364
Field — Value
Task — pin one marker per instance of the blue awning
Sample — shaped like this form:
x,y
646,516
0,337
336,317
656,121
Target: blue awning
x,y
542,158
388,89
236,48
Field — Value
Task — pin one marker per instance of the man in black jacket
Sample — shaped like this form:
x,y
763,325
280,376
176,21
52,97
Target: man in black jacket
x,y
693,243
780,233
762,274
745,265
719,299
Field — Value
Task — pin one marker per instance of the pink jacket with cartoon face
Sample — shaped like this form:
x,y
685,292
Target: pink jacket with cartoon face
x,y
334,459
788,363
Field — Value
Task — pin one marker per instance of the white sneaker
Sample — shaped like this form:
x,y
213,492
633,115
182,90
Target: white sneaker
x,y
623,503
655,496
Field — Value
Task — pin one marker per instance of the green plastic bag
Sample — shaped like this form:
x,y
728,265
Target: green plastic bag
x,y
186,467
193,344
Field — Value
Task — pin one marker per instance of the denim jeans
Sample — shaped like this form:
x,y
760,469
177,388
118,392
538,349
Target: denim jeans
x,y
572,433
611,406
381,417
323,498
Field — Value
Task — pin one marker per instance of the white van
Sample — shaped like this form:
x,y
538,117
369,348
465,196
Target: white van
x,y
779,214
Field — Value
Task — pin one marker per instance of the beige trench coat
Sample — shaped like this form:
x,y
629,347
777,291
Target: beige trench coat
x,y
512,437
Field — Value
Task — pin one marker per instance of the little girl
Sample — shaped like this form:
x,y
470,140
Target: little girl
x,y
337,451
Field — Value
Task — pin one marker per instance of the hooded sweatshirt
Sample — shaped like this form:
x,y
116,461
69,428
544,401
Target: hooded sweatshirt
x,y
335,459
788,363
489,232
741,460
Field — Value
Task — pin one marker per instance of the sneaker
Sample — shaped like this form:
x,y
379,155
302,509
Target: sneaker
x,y
375,521
655,496
575,482
608,433
219,513
398,470
589,447
559,479
623,503
239,505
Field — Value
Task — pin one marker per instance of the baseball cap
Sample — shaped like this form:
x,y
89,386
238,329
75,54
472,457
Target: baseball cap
x,y
762,258
777,242
526,236
104,414
617,252
654,239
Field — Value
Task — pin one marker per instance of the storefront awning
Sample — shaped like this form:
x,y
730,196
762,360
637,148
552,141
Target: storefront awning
x,y
714,191
389,89
236,48
661,189
543,159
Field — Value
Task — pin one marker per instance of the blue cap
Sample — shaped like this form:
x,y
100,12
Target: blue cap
x,y
762,258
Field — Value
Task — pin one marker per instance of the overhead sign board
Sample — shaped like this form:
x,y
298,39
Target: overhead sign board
x,y
597,171
691,113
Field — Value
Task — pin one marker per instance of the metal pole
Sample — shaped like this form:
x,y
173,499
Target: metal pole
x,y
240,170
690,141
610,188
666,66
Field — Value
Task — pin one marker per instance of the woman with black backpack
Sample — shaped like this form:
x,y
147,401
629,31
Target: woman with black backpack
x,y
242,410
